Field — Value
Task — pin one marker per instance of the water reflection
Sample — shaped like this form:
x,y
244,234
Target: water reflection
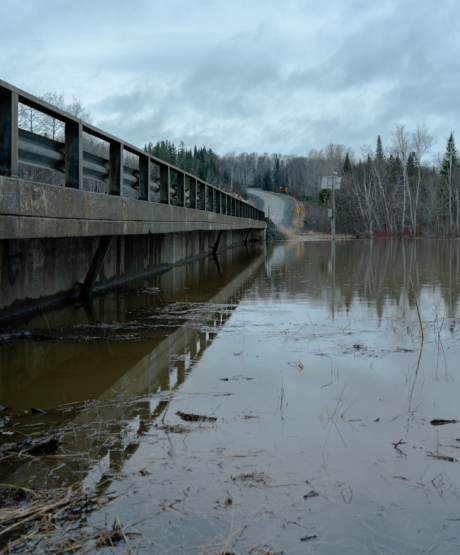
x,y
380,273
324,365
49,373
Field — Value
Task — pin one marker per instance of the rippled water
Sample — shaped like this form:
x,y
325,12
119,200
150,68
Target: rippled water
x,y
324,367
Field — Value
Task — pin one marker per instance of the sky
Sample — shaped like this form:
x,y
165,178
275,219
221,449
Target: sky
x,y
243,75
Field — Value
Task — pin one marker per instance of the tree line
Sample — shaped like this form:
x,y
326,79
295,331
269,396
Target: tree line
x,y
397,190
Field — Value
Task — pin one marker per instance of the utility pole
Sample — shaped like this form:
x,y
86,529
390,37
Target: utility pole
x,y
332,182
333,206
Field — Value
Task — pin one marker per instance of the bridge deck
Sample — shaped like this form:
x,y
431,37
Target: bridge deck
x,y
31,210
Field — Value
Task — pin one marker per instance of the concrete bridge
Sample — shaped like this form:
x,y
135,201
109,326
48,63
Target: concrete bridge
x,y
60,239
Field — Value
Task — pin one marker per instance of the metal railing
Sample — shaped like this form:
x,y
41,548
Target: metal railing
x,y
70,158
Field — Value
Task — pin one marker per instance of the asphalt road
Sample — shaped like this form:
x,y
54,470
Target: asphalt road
x,y
283,209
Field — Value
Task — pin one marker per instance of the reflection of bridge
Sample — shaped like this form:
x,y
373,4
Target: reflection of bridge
x,y
161,363
152,216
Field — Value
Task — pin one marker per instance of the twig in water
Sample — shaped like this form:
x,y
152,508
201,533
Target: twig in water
x,y
167,407
49,329
124,536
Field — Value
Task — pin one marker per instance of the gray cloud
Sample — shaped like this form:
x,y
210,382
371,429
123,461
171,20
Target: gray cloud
x,y
236,76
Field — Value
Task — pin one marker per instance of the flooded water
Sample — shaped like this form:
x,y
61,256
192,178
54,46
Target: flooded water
x,y
323,366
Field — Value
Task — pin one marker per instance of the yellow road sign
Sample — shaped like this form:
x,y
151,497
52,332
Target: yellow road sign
x,y
298,210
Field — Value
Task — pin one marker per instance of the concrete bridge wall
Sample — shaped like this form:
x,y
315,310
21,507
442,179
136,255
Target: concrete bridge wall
x,y
49,236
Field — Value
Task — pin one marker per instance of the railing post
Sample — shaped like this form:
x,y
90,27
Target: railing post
x,y
144,177
74,154
202,196
8,133
165,184
212,193
192,198
218,201
180,189
116,168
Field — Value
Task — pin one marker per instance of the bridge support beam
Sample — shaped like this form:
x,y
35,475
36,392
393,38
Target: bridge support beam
x,y
95,268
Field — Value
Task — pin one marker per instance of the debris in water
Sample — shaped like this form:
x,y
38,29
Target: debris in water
x,y
297,365
81,338
441,457
174,429
33,514
306,538
195,417
252,477
121,326
37,411
311,494
11,336
4,421
50,446
439,422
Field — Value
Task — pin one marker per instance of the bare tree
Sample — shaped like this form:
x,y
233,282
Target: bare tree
x,y
421,142
401,147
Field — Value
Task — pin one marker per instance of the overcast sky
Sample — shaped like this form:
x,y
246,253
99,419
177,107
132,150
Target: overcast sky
x,y
251,75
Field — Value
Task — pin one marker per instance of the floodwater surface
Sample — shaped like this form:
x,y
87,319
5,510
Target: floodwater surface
x,y
319,370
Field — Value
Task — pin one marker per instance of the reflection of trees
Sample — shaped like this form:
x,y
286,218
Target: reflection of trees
x,y
379,271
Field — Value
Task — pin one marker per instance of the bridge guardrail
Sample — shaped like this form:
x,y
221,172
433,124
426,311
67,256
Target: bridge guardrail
x,y
69,157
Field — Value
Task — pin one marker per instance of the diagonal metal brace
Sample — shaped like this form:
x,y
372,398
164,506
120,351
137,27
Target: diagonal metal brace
x,y
95,267
245,241
216,245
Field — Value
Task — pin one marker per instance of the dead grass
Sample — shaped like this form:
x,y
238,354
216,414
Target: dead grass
x,y
50,520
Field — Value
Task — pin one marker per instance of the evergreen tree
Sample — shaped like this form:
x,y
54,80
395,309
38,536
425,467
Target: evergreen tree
x,y
277,175
450,158
347,165
448,174
397,169
181,155
411,167
379,153
267,180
